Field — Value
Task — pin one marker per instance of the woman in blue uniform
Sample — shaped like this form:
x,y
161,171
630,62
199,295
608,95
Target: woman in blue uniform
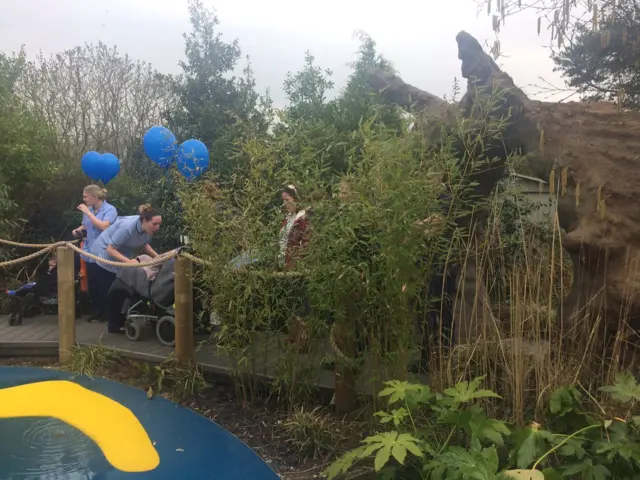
x,y
122,242
97,216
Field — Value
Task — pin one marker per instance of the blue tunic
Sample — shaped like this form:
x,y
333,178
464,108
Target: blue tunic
x,y
107,212
125,235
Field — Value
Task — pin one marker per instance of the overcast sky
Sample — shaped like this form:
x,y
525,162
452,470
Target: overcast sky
x,y
418,36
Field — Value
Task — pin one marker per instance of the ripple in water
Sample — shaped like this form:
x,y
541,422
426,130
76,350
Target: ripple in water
x,y
47,449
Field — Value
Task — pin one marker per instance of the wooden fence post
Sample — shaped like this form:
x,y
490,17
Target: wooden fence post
x,y
66,302
185,350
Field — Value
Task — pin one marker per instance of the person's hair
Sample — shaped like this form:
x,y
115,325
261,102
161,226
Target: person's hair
x,y
96,191
291,190
147,212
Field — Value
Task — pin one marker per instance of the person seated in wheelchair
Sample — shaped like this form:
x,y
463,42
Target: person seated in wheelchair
x,y
38,297
145,297
46,288
30,299
140,296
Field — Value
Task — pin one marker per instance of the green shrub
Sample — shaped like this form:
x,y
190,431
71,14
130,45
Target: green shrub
x,y
429,435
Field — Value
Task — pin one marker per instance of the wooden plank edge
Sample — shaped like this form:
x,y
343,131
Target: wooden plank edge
x,y
218,373
29,349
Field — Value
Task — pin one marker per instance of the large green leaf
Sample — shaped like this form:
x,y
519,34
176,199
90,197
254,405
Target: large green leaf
x,y
625,388
532,444
400,391
465,392
391,443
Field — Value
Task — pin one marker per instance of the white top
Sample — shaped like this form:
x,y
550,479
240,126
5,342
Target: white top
x,y
286,230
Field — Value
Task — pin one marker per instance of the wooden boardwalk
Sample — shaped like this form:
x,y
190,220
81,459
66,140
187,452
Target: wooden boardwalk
x,y
39,337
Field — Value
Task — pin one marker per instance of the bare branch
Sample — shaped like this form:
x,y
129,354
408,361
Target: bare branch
x,y
95,98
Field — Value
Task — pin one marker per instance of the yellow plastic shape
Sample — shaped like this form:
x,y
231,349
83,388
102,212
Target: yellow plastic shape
x,y
113,427
524,474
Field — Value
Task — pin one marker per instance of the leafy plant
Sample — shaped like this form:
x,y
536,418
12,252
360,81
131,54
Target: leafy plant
x,y
177,379
312,432
92,360
448,436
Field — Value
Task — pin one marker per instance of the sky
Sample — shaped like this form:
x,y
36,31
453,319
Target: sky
x,y
417,36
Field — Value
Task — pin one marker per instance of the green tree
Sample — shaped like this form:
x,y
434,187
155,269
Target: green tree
x,y
307,90
601,61
11,66
27,164
594,43
308,122
213,104
326,126
208,104
357,100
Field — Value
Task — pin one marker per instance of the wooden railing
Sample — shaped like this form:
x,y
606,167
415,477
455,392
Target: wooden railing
x,y
345,376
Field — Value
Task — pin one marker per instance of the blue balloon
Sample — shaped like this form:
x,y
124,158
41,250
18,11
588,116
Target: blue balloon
x,y
90,164
109,167
193,159
160,145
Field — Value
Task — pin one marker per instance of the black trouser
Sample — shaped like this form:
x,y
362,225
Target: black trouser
x,y
299,296
436,327
117,295
100,281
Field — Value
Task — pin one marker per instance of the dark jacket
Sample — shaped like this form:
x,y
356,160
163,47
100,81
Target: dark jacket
x,y
47,283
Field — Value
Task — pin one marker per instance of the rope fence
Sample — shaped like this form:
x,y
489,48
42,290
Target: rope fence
x,y
26,258
33,245
162,258
66,291
48,247
344,392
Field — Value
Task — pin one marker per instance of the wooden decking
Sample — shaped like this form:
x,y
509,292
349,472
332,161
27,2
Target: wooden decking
x,y
39,336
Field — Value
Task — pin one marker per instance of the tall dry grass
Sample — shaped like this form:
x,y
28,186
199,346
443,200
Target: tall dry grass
x,y
524,349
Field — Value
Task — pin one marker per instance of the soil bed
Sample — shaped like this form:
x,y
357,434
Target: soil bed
x,y
261,424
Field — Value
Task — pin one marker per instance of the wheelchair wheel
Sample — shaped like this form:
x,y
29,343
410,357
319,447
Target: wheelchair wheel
x,y
30,306
215,322
166,331
31,311
132,330
15,319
